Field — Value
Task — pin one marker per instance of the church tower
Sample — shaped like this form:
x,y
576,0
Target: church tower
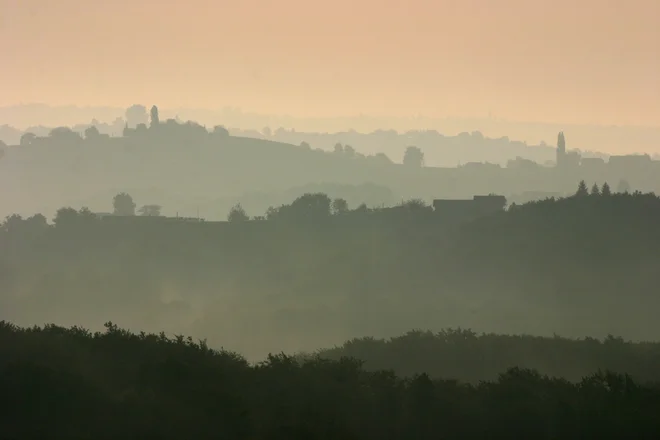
x,y
561,150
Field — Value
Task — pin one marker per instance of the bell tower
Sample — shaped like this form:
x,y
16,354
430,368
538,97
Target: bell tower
x,y
561,150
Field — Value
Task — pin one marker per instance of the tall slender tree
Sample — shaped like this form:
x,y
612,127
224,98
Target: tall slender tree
x,y
582,189
606,191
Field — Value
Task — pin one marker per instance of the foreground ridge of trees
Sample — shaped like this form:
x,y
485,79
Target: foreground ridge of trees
x,y
70,383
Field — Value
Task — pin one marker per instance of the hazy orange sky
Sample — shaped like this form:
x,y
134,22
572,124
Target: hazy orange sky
x,y
577,61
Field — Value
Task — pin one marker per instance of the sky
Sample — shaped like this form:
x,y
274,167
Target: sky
x,y
577,61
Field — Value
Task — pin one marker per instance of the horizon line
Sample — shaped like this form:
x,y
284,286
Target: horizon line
x,y
348,116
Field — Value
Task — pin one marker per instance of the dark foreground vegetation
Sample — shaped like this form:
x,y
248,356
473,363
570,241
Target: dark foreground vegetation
x,y
69,383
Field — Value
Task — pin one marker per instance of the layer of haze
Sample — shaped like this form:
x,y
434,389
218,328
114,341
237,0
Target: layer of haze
x,y
588,61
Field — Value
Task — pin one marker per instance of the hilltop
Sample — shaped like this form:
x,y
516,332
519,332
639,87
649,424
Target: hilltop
x,y
596,138
302,277
194,171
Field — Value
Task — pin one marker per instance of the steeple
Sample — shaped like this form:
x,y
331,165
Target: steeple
x,y
561,149
561,142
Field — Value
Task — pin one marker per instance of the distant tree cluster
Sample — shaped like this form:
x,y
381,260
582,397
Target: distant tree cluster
x,y
582,191
451,352
318,206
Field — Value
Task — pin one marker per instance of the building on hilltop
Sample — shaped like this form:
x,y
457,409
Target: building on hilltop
x,y
561,150
566,159
640,162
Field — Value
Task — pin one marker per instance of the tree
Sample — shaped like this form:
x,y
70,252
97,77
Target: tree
x,y
86,216
308,206
339,148
150,211
92,132
136,114
595,191
123,204
27,139
155,120
37,221
413,157
305,145
606,191
582,189
272,213
267,132
415,205
64,135
12,223
339,206
220,131
237,214
381,158
65,217
623,187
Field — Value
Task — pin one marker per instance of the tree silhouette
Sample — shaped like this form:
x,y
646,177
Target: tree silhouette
x,y
36,222
92,132
595,191
306,207
27,139
582,189
64,135
413,157
123,205
606,191
237,214
136,114
65,217
150,210
220,132
381,158
414,205
12,223
339,206
155,120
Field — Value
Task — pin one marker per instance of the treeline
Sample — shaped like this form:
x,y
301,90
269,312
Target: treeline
x,y
69,383
470,357
187,168
582,265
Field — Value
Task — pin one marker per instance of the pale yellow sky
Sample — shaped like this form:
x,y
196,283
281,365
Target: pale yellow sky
x,y
573,61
